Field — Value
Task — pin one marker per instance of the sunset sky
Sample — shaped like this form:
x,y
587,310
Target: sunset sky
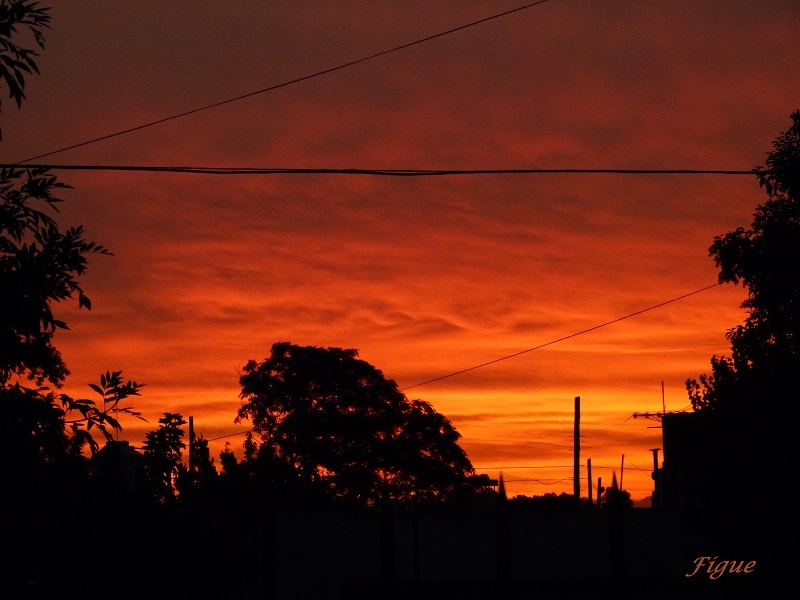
x,y
424,276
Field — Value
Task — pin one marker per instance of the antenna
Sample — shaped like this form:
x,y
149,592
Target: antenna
x,y
656,416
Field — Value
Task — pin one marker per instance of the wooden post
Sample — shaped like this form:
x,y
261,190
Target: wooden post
x,y
589,477
599,490
191,444
577,468
621,469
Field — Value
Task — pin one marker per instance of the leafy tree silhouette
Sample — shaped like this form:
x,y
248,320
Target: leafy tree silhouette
x,y
750,398
16,60
615,498
752,394
199,484
228,460
40,265
112,390
765,349
163,451
203,463
332,423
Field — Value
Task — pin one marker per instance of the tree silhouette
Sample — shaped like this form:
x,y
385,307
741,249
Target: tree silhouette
x,y
228,461
16,60
333,423
40,265
199,483
49,492
765,349
750,398
112,391
753,392
615,498
203,463
163,450
551,501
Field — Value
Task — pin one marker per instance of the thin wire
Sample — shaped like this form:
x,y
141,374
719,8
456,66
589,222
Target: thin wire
x,y
566,337
380,172
229,435
531,350
285,83
542,481
635,468
534,467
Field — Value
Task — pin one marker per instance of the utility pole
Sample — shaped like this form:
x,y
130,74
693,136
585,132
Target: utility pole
x,y
621,469
576,475
589,477
191,444
599,490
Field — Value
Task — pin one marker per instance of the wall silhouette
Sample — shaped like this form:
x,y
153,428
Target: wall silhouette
x,y
456,554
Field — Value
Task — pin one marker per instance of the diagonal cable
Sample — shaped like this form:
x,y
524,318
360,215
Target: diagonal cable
x,y
284,84
566,337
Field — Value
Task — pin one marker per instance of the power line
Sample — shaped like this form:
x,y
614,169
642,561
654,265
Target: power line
x,y
549,467
531,467
285,83
377,172
566,337
542,481
229,435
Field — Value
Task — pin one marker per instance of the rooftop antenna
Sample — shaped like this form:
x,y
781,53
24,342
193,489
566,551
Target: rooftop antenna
x,y
656,416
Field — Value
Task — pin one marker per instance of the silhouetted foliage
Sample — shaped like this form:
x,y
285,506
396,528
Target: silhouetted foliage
x,y
203,463
16,60
250,447
228,461
615,498
199,483
60,504
750,398
332,423
163,450
112,391
40,265
765,349
550,501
